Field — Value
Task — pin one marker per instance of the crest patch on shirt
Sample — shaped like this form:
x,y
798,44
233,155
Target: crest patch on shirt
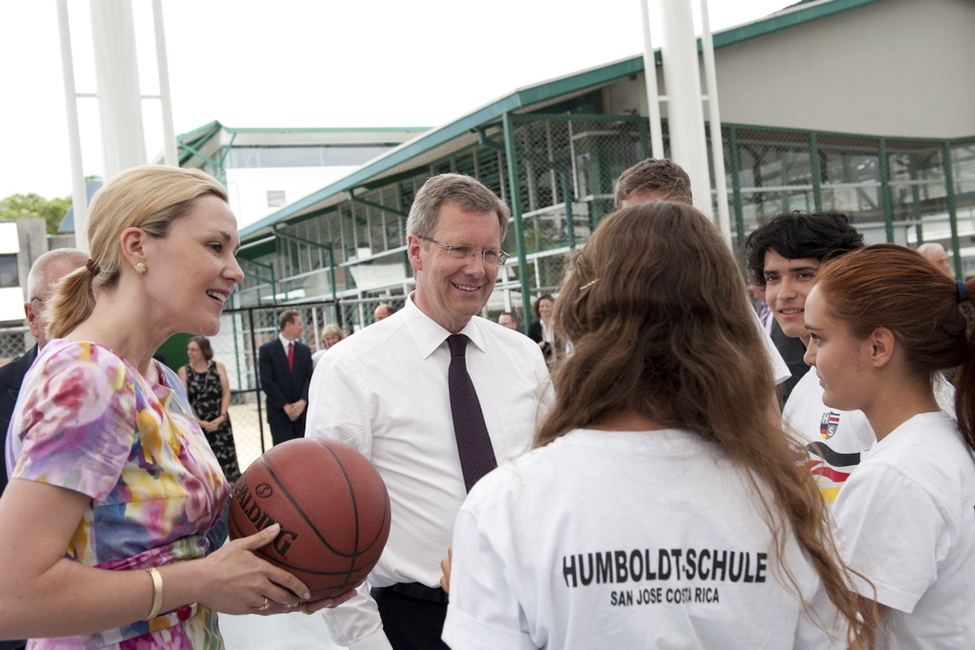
x,y
829,424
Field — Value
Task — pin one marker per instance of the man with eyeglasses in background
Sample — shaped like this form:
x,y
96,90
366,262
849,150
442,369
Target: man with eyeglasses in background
x,y
392,391
508,319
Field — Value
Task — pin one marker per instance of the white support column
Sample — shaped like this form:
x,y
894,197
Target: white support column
x,y
714,120
685,112
650,74
119,98
162,63
79,195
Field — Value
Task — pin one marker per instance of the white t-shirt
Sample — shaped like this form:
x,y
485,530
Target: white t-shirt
x,y
906,520
835,439
626,540
384,392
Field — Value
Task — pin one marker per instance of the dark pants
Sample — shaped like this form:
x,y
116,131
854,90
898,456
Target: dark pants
x,y
411,623
283,429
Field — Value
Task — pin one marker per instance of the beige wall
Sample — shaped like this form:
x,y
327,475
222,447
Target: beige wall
x,y
891,68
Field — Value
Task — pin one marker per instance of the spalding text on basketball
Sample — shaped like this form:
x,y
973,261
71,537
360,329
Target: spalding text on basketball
x,y
261,520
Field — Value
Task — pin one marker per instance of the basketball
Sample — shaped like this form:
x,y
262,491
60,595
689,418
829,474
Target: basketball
x,y
332,506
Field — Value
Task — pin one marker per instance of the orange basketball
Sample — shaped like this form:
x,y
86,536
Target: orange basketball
x,y
332,506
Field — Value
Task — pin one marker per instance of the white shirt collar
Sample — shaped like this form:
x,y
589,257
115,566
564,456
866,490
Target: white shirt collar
x,y
430,335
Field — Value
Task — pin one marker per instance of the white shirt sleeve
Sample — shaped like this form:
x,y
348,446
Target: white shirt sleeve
x,y
337,411
891,530
484,613
355,624
338,406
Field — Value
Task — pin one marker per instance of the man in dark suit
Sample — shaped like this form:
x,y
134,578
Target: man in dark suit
x,y
11,377
44,274
285,366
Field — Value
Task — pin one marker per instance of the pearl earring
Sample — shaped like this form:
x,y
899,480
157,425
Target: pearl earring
x,y
140,268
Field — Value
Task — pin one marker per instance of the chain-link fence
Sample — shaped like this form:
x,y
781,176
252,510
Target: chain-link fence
x,y
14,341
894,190
566,167
243,331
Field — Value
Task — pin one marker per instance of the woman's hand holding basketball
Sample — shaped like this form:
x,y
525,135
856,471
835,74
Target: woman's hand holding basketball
x,y
308,606
327,603
242,583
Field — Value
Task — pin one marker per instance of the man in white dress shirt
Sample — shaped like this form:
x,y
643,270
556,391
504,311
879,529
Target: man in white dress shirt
x,y
385,392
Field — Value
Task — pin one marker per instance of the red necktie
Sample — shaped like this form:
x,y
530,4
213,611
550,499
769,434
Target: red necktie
x,y
473,443
291,356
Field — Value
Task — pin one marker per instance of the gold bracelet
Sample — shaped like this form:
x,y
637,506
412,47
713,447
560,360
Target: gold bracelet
x,y
157,593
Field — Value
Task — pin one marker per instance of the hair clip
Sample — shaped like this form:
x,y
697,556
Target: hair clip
x,y
588,284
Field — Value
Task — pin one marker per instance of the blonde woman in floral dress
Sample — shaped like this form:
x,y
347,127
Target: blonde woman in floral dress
x,y
113,484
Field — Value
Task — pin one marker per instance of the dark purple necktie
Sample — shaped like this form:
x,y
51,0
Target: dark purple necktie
x,y
473,442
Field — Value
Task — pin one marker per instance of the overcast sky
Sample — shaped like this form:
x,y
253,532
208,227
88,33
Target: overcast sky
x,y
307,63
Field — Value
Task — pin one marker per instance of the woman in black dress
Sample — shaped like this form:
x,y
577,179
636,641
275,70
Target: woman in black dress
x,y
208,389
541,330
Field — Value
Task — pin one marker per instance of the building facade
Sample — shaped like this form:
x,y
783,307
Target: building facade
x,y
265,169
862,106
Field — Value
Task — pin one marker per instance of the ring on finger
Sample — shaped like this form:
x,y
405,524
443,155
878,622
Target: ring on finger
x,y
304,610
267,604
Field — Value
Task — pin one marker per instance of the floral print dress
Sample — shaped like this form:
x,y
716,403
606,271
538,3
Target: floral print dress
x,y
88,421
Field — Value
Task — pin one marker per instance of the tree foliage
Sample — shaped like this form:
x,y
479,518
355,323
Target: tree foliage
x,y
20,206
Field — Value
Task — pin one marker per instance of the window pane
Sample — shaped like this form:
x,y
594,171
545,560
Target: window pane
x,y
8,271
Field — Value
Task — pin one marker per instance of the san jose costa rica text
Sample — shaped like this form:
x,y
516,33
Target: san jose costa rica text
x,y
641,565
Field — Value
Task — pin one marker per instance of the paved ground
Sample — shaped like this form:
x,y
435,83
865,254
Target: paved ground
x,y
294,631
247,438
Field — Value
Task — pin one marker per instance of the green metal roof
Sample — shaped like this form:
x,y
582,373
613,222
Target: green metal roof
x,y
192,142
792,16
354,129
195,140
524,98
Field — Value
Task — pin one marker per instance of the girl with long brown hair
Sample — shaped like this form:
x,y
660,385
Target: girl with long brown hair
x,y
660,506
883,322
